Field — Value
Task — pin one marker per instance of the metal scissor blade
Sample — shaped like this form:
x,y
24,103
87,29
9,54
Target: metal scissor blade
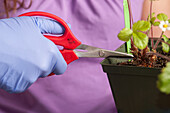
x,y
91,51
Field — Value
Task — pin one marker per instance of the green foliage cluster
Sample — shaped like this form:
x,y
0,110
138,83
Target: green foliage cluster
x,y
139,32
140,39
164,80
161,17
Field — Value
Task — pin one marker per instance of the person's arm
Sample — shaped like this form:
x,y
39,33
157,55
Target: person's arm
x,y
159,6
25,54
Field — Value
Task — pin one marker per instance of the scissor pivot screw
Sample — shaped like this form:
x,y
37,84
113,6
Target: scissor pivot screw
x,y
101,53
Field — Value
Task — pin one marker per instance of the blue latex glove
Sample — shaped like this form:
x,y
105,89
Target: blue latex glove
x,y
25,54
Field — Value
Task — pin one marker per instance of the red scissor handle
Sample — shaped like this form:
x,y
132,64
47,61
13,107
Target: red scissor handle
x,y
67,40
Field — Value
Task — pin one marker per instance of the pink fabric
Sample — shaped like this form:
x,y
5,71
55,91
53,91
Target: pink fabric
x,y
84,87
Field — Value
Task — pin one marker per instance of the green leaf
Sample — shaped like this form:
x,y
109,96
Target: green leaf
x,y
165,47
156,23
169,20
163,82
165,38
141,25
148,19
153,14
140,40
153,20
125,34
162,17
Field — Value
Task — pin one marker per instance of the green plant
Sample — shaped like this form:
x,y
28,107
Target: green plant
x,y
144,55
164,80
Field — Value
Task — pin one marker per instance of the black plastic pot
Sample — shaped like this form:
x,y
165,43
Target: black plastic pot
x,y
134,88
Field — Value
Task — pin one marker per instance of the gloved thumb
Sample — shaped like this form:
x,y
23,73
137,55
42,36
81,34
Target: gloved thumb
x,y
49,26
60,64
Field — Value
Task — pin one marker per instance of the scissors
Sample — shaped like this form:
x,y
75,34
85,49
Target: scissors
x,y
71,43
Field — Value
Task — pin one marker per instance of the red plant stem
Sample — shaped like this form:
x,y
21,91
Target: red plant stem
x,y
152,43
157,42
150,9
161,41
131,20
165,42
158,54
132,43
130,12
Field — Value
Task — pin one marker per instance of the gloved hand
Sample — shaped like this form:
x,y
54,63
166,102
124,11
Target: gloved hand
x,y
25,54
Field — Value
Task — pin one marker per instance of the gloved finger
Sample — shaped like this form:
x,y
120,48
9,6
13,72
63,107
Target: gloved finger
x,y
60,65
49,26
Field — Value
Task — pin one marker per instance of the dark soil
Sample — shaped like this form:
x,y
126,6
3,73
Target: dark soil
x,y
159,62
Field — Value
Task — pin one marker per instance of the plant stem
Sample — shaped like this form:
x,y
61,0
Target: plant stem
x,y
165,42
152,43
131,20
130,12
132,43
157,42
161,41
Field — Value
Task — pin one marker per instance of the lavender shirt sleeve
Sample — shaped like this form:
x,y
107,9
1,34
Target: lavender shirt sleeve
x,y
84,87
